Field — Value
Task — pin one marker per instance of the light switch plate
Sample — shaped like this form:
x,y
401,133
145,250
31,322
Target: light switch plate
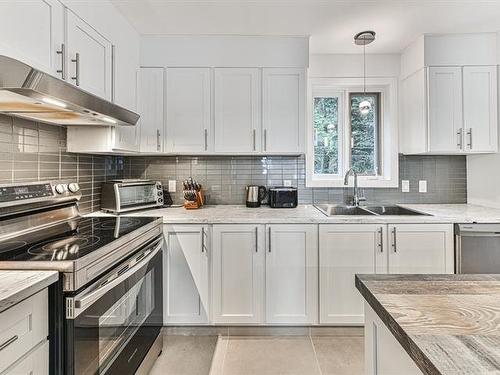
x,y
422,186
172,186
287,182
405,186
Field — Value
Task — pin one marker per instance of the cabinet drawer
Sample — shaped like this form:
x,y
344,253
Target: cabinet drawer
x,y
35,363
22,327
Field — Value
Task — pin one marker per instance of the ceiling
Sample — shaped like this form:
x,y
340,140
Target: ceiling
x,y
330,23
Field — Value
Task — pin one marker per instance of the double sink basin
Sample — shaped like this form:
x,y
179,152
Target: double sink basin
x,y
342,210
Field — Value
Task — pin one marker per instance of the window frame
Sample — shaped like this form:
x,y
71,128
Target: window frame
x,y
387,88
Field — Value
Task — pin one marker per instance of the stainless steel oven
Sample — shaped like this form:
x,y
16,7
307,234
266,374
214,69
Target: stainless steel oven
x,y
112,324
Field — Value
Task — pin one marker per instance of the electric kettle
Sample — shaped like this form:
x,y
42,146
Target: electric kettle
x,y
255,195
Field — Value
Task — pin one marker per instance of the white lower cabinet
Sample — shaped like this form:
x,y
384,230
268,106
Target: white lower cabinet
x,y
383,353
292,274
421,248
345,250
238,274
35,363
186,269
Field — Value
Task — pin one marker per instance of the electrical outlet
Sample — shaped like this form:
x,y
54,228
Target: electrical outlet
x,y
405,186
172,186
422,186
287,182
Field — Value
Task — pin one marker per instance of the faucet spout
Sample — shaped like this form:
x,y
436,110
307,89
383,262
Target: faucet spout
x,y
355,196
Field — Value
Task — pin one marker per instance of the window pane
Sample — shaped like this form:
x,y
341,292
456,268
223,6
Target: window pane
x,y
364,132
326,135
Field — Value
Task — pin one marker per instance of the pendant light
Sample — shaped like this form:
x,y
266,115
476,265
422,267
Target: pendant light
x,y
363,39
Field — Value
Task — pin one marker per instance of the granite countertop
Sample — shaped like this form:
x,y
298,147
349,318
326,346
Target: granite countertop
x,y
16,286
303,214
448,324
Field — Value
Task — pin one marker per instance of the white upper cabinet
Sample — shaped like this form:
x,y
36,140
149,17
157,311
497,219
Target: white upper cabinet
x,y
33,32
445,109
292,274
237,110
238,274
421,248
151,109
344,251
189,125
283,107
480,108
90,57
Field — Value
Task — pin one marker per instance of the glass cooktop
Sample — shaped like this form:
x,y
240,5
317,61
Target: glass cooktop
x,y
70,240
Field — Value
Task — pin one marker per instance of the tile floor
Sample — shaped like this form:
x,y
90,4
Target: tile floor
x,y
321,354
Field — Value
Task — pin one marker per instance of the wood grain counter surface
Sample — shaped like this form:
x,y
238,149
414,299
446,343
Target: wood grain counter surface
x,y
448,324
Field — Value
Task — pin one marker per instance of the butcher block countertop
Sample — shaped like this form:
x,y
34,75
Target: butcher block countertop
x,y
448,324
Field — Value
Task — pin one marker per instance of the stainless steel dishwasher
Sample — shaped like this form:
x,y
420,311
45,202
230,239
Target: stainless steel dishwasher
x,y
477,248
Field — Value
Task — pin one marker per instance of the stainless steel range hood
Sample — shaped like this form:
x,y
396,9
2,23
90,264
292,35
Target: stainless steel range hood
x,y
32,94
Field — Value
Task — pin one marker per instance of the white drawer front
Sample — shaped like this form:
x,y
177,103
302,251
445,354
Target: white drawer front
x,y
22,327
35,363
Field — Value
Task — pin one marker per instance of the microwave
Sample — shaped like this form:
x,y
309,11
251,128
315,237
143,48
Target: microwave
x,y
119,196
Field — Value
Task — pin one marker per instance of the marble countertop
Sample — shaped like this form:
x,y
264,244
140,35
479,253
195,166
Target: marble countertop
x,y
303,214
448,324
16,286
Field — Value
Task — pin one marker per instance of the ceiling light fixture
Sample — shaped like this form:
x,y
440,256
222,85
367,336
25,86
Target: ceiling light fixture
x,y
363,39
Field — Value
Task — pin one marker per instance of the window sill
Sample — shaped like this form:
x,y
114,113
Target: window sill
x,y
363,182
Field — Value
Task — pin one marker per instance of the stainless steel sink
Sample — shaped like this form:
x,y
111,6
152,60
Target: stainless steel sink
x,y
340,210
393,210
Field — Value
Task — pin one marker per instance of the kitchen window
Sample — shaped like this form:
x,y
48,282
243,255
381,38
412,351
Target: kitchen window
x,y
342,138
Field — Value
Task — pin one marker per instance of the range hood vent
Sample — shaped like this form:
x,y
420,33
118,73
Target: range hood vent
x,y
32,94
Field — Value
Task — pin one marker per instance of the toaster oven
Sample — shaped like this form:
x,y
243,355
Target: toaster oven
x,y
119,196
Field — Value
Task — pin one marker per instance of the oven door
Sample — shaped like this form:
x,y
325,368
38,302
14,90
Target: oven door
x,y
111,325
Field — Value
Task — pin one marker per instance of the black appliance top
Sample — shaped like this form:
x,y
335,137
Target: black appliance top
x,y
70,240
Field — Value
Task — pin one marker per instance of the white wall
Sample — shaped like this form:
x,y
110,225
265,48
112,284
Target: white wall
x,y
224,51
351,65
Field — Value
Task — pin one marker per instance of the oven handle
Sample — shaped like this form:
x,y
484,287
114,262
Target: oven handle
x,y
76,305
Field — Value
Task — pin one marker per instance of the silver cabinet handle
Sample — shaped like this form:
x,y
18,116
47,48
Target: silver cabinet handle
x,y
269,230
256,239
8,342
394,239
459,138
206,139
469,133
381,239
158,140
265,139
254,136
203,239
76,77
62,52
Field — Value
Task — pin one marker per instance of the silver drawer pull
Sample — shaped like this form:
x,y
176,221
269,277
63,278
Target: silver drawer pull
x,y
8,342
76,77
62,52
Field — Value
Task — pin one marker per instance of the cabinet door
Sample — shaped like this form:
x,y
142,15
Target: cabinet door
x,y
345,250
480,108
188,110
283,107
291,274
238,274
151,89
33,32
90,65
186,275
445,109
421,248
237,110
35,363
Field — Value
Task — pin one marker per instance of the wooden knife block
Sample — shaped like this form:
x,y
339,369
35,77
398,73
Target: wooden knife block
x,y
200,201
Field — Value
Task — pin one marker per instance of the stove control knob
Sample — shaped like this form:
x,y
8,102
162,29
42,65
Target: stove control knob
x,y
73,187
60,189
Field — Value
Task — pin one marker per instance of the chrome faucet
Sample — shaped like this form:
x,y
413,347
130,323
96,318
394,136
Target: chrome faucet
x,y
355,196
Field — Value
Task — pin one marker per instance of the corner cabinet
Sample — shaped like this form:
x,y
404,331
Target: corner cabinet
x,y
238,282
186,280
450,110
283,110
344,251
237,110
291,274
